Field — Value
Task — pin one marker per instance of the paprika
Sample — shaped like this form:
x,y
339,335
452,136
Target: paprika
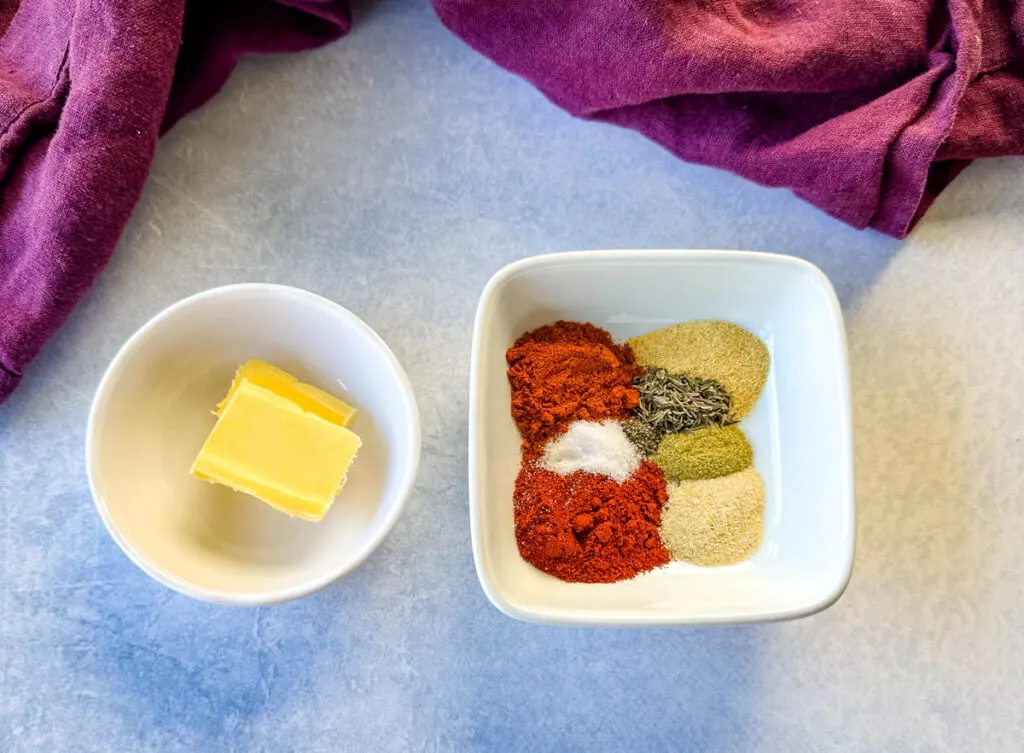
x,y
585,528
565,372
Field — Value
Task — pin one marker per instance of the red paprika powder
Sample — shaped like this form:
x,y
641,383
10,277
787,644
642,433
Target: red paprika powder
x,y
585,528
565,372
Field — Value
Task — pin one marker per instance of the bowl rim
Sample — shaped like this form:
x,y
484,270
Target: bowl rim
x,y
104,393
635,618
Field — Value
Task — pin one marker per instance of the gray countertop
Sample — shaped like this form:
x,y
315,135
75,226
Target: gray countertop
x,y
394,172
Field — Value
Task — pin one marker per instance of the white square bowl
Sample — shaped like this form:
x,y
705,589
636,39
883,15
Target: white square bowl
x,y
800,431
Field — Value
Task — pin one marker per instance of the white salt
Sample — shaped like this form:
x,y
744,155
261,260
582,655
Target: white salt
x,y
601,448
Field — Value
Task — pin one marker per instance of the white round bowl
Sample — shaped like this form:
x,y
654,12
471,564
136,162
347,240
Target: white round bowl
x,y
153,411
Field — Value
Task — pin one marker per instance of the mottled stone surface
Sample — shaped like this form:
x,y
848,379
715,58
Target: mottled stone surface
x,y
394,172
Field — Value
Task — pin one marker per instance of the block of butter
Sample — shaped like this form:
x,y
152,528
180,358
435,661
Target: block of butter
x,y
273,441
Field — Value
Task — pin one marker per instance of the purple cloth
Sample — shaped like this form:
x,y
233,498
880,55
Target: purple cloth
x,y
865,109
85,88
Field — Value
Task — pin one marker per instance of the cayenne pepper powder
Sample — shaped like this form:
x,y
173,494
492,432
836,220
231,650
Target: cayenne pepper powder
x,y
574,333
585,528
565,372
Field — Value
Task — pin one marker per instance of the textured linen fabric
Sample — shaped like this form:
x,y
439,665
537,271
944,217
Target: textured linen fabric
x,y
865,109
85,87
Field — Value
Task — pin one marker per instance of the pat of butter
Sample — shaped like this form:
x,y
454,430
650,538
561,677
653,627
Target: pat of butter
x,y
280,382
266,445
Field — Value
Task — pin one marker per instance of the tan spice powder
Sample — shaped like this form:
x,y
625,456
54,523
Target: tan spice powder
x,y
714,522
720,351
704,453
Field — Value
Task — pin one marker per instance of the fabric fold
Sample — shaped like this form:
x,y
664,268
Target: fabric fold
x,y
866,110
85,90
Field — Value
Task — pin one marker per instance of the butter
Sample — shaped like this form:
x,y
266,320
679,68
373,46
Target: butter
x,y
280,382
280,450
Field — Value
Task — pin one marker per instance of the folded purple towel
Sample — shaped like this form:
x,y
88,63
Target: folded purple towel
x,y
84,89
865,109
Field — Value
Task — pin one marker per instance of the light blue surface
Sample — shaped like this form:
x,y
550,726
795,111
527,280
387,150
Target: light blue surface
x,y
394,172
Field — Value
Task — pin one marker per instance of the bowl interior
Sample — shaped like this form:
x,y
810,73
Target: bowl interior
x,y
800,431
153,412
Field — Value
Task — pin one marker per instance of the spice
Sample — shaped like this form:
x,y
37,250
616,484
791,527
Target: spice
x,y
644,436
566,372
714,522
721,351
585,528
676,402
573,333
592,447
704,453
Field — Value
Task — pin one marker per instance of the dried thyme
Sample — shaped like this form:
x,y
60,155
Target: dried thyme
x,y
724,352
672,403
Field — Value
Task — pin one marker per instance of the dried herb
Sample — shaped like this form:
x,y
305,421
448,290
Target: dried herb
x,y
672,403
709,452
725,352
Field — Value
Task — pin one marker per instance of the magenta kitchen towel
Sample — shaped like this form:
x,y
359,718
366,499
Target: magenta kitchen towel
x,y
867,108
86,86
